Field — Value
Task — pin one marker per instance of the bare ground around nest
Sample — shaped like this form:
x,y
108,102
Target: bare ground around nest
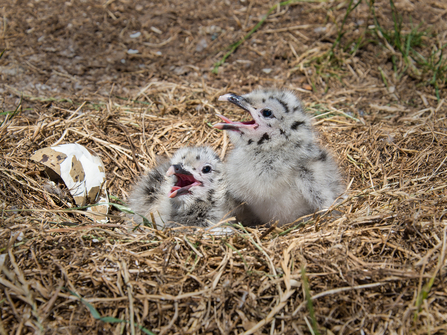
x,y
374,264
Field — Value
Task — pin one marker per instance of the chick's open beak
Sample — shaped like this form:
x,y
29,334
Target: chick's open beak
x,y
185,180
177,169
227,123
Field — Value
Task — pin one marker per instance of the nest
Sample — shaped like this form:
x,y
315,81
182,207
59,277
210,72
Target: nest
x,y
376,260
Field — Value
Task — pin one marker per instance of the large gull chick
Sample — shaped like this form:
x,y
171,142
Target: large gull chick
x,y
277,167
190,189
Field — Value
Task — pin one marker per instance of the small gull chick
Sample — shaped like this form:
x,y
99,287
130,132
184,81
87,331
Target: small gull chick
x,y
190,189
277,167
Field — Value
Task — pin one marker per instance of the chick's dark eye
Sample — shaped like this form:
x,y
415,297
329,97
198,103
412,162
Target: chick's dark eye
x,y
206,169
267,112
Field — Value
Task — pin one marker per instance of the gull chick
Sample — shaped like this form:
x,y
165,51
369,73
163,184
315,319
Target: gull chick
x,y
190,189
277,167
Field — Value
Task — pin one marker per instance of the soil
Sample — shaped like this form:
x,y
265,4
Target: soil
x,y
84,49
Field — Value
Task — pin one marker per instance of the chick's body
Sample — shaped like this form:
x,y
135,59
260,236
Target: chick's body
x,y
276,166
190,189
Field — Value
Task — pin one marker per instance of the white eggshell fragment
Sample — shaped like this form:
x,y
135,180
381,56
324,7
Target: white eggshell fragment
x,y
100,211
81,170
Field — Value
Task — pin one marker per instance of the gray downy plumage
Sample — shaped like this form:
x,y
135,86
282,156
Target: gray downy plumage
x,y
189,189
277,166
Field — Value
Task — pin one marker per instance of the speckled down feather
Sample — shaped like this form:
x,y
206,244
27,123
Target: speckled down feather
x,y
173,201
277,167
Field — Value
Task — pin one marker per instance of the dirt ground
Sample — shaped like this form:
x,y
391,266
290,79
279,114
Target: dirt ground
x,y
133,80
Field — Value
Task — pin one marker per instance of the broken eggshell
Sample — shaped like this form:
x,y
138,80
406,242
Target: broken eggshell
x,y
81,170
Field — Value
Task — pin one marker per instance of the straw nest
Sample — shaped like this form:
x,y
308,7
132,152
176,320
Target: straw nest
x,y
373,264
376,264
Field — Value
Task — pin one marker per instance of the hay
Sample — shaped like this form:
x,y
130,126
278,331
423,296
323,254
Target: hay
x,y
374,263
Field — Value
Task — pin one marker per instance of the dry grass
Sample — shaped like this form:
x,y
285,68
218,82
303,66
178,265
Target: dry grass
x,y
374,264
367,267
